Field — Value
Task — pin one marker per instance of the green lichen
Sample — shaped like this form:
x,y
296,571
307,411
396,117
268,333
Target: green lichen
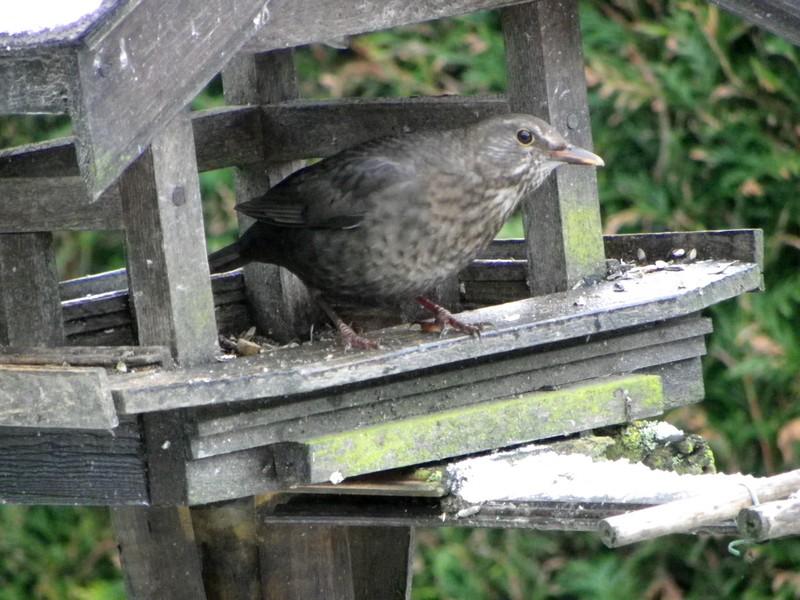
x,y
481,427
583,240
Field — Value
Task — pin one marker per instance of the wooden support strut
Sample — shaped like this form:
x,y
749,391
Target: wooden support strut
x,y
172,300
545,78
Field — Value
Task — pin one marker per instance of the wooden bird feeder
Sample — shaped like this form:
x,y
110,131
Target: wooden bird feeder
x,y
298,470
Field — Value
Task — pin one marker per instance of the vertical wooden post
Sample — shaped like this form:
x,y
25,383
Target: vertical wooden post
x,y
278,300
171,294
30,307
546,79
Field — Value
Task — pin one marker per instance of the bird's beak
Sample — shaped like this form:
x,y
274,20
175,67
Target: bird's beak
x,y
577,156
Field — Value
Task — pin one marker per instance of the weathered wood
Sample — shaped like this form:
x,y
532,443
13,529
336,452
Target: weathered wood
x,y
480,427
299,23
656,296
770,520
381,562
231,476
746,245
36,80
167,263
72,467
30,309
279,302
546,78
306,562
114,357
724,502
226,536
314,128
51,397
116,114
778,16
56,203
235,135
428,393
158,553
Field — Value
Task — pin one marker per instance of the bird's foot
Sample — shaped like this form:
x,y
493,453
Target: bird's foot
x,y
350,339
347,335
443,320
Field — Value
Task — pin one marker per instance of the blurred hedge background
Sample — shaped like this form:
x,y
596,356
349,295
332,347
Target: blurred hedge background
x,y
697,115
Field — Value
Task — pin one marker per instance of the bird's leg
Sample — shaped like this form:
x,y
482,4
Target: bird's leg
x,y
349,338
443,318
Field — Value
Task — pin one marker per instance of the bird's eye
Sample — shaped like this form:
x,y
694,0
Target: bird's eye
x,y
524,136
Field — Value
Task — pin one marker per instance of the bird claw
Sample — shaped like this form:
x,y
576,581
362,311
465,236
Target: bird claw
x,y
350,339
443,320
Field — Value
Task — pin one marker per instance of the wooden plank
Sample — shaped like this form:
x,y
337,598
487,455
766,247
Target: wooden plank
x,y
51,158
228,542
231,476
481,427
114,357
167,265
545,78
228,136
430,392
30,309
778,16
307,561
116,115
56,204
656,296
317,128
51,397
36,80
746,245
381,561
279,302
299,23
158,553
72,467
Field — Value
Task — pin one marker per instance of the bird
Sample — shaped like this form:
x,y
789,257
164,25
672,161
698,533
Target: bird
x,y
383,222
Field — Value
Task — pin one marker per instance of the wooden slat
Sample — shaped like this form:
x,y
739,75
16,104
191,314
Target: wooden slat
x,y
546,78
50,397
480,427
317,128
300,23
30,309
528,323
88,356
72,467
429,392
55,204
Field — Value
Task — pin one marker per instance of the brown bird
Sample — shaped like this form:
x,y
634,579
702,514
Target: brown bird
x,y
385,221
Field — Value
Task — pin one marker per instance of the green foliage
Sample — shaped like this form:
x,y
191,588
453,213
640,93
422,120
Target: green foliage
x,y
695,113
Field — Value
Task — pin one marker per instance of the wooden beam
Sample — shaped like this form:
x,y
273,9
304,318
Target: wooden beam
x,y
158,553
37,80
56,397
545,78
73,467
300,23
30,308
479,427
116,114
656,296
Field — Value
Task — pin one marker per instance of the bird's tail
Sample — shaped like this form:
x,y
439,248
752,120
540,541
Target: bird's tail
x,y
226,259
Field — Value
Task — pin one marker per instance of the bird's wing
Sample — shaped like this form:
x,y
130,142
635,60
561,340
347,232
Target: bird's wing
x,y
331,194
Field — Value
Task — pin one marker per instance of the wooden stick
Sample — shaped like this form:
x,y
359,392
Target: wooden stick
x,y
696,511
770,520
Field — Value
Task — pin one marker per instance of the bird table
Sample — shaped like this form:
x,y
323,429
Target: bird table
x,y
113,390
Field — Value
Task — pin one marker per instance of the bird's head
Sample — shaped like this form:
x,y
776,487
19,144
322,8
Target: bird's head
x,y
525,149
